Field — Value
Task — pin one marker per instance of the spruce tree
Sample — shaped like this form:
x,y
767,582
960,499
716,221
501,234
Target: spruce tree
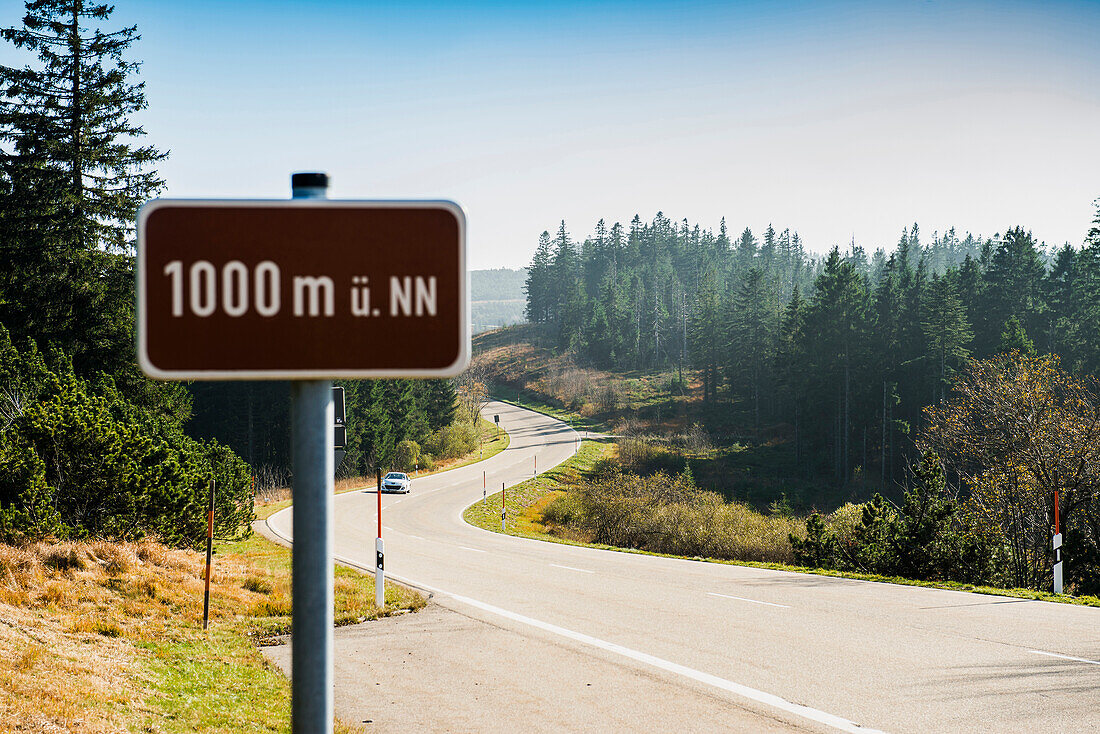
x,y
752,327
71,116
539,283
946,329
72,176
439,403
706,335
1014,338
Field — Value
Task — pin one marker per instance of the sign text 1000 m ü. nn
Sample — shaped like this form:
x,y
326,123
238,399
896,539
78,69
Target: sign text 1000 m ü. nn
x,y
301,289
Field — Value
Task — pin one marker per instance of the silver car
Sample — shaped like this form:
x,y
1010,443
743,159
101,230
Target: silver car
x,y
395,481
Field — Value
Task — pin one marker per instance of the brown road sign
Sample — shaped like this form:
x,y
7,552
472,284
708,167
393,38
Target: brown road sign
x,y
301,289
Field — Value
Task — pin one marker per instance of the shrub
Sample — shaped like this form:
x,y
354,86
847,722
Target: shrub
x,y
453,441
406,455
644,455
564,510
258,585
667,514
78,460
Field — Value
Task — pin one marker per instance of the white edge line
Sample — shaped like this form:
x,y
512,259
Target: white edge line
x,y
769,699
752,694
1065,657
751,601
570,568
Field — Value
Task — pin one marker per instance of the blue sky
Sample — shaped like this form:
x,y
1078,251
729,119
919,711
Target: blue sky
x,y
838,120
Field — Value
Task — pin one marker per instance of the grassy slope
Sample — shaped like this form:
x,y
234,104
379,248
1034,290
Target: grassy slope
x,y
103,637
525,371
525,501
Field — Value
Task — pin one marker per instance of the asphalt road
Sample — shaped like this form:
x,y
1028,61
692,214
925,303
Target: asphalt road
x,y
766,649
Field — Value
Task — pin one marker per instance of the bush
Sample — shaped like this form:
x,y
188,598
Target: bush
x,y
644,455
922,539
666,513
78,460
406,456
562,511
453,441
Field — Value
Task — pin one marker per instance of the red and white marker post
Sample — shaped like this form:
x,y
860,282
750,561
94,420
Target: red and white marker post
x,y
1057,548
502,510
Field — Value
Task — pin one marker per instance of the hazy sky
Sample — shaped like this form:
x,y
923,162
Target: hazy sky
x,y
838,120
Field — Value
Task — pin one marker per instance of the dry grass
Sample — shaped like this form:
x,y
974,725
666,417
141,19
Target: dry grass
x,y
69,616
92,635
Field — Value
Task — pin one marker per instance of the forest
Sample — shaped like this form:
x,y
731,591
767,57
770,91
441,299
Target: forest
x,y
841,352
953,376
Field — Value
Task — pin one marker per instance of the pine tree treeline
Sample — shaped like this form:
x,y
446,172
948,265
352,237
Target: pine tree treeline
x,y
842,351
253,418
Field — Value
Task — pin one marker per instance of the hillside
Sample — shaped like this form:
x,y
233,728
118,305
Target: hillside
x,y
666,412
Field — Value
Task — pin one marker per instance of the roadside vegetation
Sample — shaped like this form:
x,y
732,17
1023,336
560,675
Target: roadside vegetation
x,y
827,387
106,637
974,509
491,441
588,500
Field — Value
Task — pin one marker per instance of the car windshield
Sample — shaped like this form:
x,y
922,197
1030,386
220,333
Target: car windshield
x,y
395,475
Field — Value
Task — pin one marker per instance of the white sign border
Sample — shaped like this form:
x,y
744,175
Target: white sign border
x,y
154,372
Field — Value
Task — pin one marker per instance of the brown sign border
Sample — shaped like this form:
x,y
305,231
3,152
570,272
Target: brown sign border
x,y
157,373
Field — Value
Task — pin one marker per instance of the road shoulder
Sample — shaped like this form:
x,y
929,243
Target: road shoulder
x,y
442,670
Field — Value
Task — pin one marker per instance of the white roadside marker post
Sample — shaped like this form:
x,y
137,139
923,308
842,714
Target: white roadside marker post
x,y
502,510
1057,548
312,420
380,554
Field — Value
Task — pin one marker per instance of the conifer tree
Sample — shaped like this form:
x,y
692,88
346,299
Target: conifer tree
x,y
752,334
706,335
1015,339
946,329
71,179
539,283
72,116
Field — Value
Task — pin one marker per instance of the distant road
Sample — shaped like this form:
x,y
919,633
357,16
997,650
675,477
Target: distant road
x,y
720,646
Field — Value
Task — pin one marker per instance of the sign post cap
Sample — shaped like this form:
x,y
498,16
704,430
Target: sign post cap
x,y
309,180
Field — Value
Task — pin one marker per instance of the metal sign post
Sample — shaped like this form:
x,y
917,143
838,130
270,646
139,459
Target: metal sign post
x,y
307,290
312,421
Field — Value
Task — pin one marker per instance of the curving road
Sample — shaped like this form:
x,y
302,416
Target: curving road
x,y
699,646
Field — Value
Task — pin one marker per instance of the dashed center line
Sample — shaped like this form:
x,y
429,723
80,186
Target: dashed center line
x,y
1065,657
751,601
570,568
475,550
